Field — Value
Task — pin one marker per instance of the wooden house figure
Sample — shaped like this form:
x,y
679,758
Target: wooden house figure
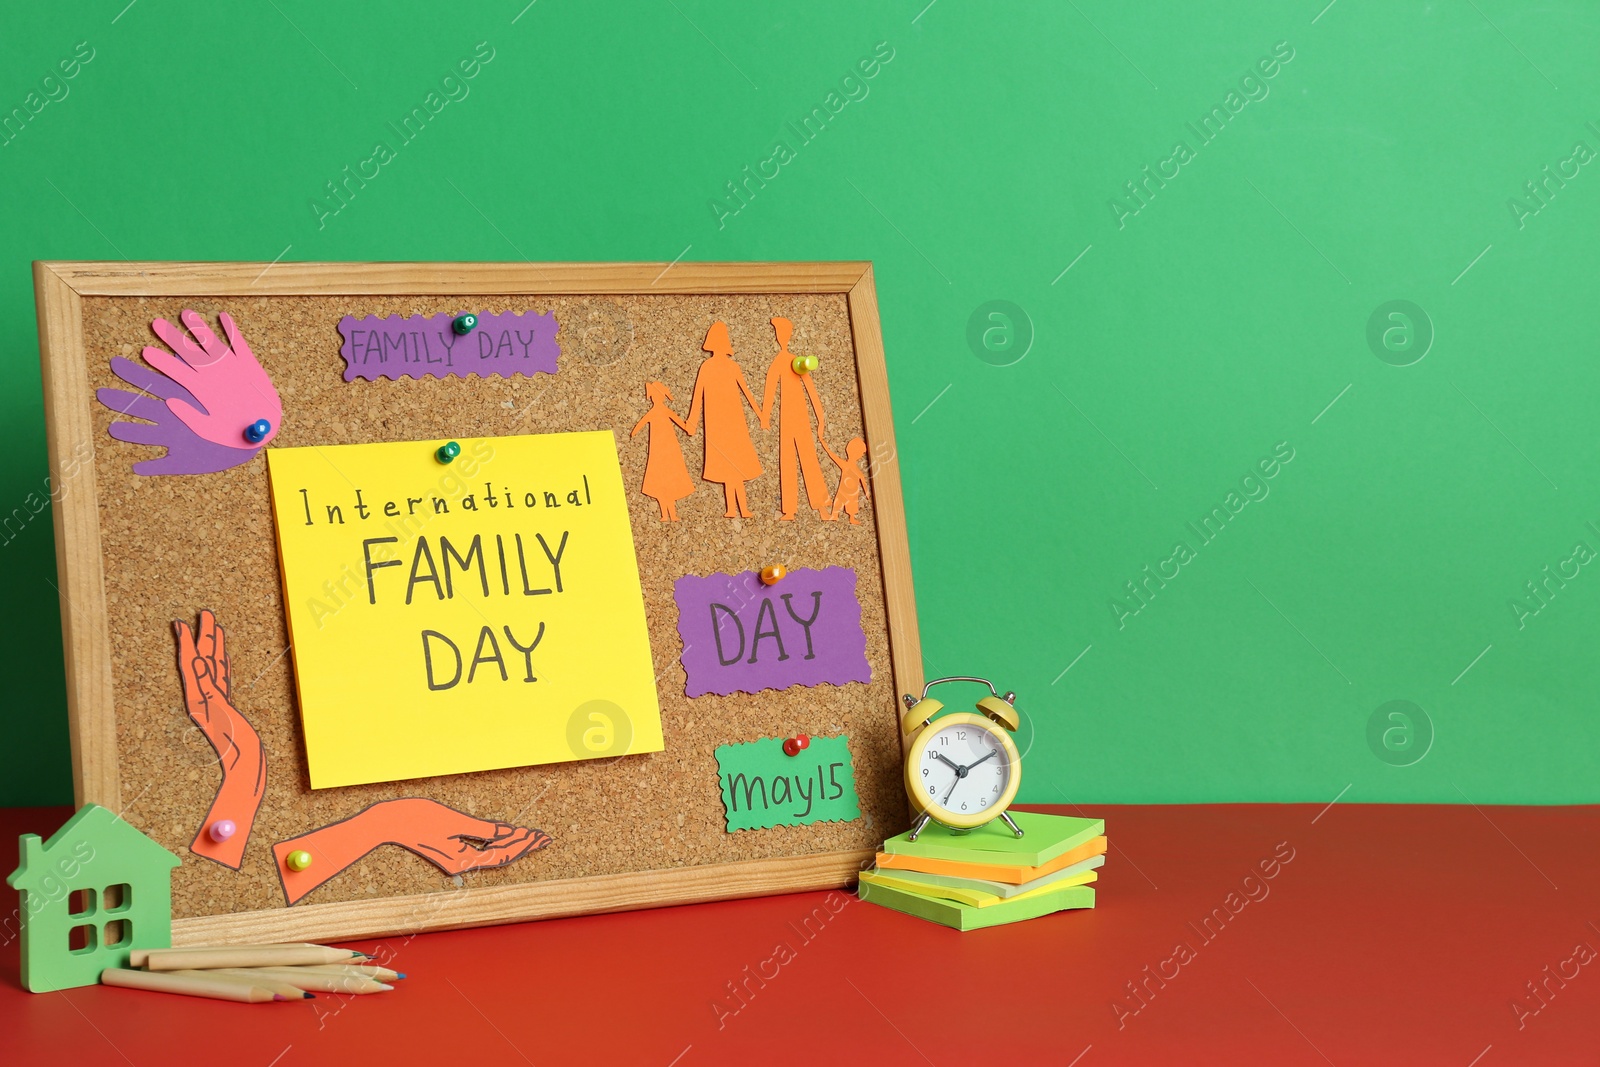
x,y
91,894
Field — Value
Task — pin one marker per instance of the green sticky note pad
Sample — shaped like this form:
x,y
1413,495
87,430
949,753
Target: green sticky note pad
x,y
763,787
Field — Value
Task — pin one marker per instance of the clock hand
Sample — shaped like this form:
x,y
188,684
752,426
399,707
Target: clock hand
x,y
953,766
946,801
974,763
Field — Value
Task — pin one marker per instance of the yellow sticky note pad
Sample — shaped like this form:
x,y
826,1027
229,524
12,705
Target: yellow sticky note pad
x,y
458,617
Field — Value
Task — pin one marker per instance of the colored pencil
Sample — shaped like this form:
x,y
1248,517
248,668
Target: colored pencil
x,y
360,970
140,955
305,978
271,984
186,986
180,959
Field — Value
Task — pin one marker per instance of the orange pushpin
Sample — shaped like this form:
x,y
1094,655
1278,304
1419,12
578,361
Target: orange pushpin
x,y
774,574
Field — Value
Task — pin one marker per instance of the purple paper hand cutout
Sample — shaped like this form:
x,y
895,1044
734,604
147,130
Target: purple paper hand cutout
x,y
199,404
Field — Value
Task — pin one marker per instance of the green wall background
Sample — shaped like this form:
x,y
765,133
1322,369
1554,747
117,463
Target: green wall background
x,y
1163,353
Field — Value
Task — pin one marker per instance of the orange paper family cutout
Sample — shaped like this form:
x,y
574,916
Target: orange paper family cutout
x,y
796,447
207,696
666,476
721,392
441,835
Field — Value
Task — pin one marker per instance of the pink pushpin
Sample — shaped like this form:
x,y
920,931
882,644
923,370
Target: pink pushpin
x,y
222,829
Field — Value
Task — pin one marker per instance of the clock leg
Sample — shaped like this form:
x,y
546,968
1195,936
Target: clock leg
x,y
920,823
1014,827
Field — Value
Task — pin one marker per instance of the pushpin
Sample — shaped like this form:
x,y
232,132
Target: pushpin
x,y
222,829
257,431
792,747
448,451
298,860
465,324
804,364
774,574
803,740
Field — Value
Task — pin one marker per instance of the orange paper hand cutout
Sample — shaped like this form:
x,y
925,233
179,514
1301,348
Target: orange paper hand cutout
x,y
452,841
666,476
797,449
852,481
721,392
207,686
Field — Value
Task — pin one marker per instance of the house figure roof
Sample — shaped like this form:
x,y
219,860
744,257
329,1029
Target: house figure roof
x,y
98,827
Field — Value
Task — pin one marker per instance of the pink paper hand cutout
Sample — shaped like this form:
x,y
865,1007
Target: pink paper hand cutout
x,y
199,404
224,378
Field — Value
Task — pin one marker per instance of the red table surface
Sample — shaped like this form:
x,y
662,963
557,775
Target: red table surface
x,y
1399,934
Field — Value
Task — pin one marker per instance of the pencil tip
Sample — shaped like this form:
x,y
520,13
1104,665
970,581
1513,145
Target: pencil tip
x,y
386,988
309,995
279,996
399,975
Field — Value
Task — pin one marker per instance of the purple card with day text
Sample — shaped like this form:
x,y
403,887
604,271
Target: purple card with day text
x,y
418,346
740,636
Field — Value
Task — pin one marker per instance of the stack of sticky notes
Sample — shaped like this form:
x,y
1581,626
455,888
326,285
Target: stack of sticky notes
x,y
990,876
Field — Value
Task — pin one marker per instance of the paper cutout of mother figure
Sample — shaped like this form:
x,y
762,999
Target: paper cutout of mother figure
x,y
796,447
721,392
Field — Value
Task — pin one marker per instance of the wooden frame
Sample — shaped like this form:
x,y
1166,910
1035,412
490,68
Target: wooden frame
x,y
60,288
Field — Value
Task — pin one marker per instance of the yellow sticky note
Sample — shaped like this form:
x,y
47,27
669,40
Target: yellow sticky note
x,y
466,616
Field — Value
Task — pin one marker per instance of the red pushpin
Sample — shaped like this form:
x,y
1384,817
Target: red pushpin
x,y
792,747
802,740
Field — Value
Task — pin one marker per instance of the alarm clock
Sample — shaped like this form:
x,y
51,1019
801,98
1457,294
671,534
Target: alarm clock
x,y
962,771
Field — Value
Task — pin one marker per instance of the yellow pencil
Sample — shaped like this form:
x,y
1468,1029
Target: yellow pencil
x,y
182,959
288,990
304,978
166,982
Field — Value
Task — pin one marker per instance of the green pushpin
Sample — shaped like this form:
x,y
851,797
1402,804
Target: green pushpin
x,y
448,451
804,364
465,324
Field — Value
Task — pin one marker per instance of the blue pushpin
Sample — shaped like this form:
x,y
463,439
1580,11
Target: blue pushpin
x,y
448,452
464,324
257,431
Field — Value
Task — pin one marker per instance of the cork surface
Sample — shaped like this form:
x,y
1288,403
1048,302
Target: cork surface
x,y
174,545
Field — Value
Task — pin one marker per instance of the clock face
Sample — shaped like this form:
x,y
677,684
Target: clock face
x,y
964,770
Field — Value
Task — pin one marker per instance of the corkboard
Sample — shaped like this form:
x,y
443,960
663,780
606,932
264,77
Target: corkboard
x,y
136,553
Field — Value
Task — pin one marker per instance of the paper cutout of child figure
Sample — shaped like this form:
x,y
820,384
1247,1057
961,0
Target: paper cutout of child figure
x,y
666,476
797,449
852,481
721,392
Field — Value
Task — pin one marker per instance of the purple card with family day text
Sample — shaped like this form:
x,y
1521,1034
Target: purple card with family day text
x,y
418,346
740,636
